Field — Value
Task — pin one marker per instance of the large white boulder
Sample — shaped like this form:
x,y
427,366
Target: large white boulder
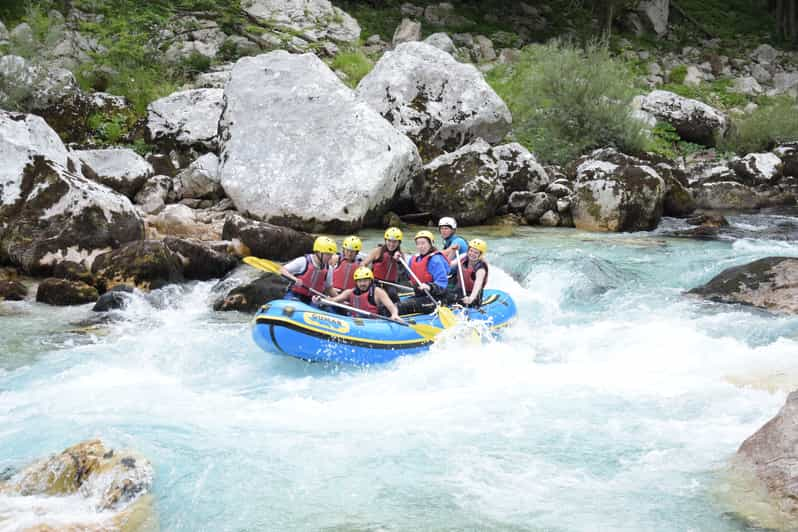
x,y
758,168
120,169
694,121
312,20
438,102
299,148
21,137
187,118
201,179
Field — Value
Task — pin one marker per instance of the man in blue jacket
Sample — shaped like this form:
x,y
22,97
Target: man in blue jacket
x,y
453,245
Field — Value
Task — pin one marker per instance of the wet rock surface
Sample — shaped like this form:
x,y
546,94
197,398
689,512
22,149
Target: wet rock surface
x,y
63,292
146,264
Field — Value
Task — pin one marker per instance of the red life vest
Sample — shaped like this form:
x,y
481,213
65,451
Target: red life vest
x,y
312,277
363,300
470,275
384,267
343,275
419,264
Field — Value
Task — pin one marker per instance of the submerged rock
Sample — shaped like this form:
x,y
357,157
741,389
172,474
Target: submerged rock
x,y
300,149
62,292
770,283
245,289
12,290
439,103
114,483
118,297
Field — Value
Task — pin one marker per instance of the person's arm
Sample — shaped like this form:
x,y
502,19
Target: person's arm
x,y
439,269
384,299
340,298
479,280
372,256
294,268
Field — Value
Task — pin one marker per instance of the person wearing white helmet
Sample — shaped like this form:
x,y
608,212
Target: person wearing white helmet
x,y
453,245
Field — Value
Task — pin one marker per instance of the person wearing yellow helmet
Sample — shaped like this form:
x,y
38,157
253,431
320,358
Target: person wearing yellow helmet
x,y
453,244
311,270
474,271
431,269
384,259
343,265
365,295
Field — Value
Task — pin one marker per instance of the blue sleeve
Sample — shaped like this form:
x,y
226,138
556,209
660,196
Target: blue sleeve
x,y
462,244
439,269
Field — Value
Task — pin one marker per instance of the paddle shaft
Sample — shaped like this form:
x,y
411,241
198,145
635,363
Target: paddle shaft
x,y
460,271
415,278
395,285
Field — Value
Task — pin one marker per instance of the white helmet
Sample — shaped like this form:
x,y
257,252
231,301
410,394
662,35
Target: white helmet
x,y
448,220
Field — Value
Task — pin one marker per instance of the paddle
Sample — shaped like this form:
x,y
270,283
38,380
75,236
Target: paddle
x,y
446,315
395,285
460,271
426,331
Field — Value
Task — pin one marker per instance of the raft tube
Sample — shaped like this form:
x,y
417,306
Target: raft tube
x,y
292,328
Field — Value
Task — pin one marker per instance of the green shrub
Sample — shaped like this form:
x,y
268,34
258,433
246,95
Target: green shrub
x,y
677,74
566,101
195,63
354,64
764,128
665,141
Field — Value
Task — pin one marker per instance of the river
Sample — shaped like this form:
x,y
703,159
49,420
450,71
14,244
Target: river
x,y
613,403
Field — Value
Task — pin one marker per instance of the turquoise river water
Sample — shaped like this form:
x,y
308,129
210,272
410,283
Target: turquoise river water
x,y
614,403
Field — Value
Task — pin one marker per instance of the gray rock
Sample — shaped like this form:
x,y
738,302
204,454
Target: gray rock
x,y
538,205
62,292
785,81
472,182
519,199
443,14
62,216
788,153
410,10
200,260
564,206
314,20
300,149
407,31
22,36
747,85
693,120
441,41
246,289
615,192
550,219
201,179
484,49
187,118
764,53
266,240
559,190
770,283
654,14
722,195
654,69
509,56
153,195
439,103
694,76
145,264
465,40
758,168
761,74
374,40
241,46
120,169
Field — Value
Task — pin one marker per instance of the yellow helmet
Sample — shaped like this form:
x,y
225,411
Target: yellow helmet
x,y
393,233
324,244
479,245
352,243
363,273
425,234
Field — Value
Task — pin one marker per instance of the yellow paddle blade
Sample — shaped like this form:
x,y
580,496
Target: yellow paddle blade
x,y
448,319
427,331
263,264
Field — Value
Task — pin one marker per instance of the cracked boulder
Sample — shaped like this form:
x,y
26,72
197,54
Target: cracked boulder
x,y
694,121
52,215
616,192
298,148
439,103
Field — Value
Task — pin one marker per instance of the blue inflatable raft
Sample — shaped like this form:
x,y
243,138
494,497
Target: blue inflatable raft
x,y
303,331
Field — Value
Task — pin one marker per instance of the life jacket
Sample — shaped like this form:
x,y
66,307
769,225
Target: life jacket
x,y
418,265
470,275
363,300
312,277
385,267
343,275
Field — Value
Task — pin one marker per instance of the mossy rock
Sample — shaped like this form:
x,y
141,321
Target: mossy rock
x,y
62,292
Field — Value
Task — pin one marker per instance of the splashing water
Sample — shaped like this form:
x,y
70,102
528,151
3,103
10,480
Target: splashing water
x,y
610,404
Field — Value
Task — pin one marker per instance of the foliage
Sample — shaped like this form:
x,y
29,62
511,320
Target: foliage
x,y
677,74
110,128
715,93
666,141
764,128
728,19
567,100
354,64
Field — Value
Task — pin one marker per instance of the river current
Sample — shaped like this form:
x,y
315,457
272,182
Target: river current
x,y
614,403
